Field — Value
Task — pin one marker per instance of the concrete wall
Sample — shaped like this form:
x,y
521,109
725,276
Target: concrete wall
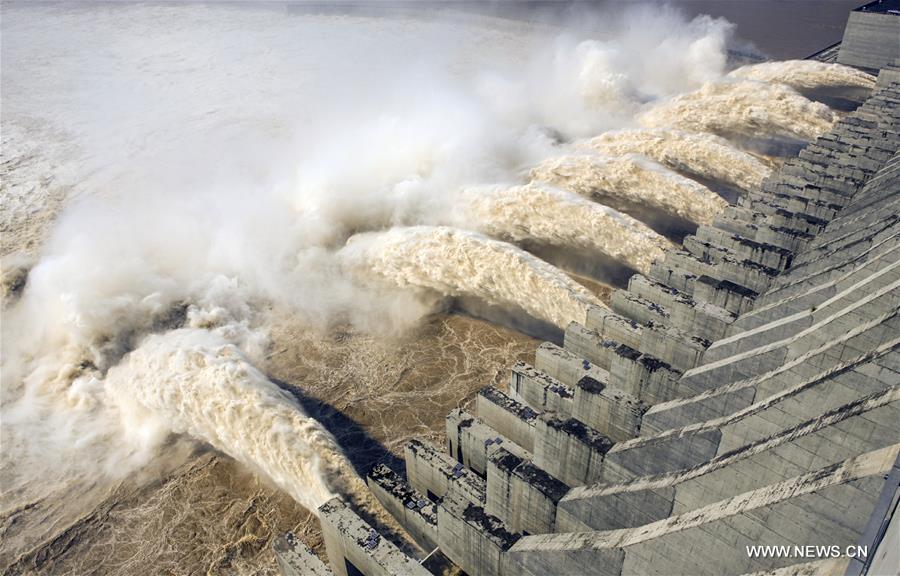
x,y
540,390
435,474
658,455
294,558
536,556
471,441
507,416
521,494
634,373
566,366
613,413
349,539
858,427
569,450
412,509
871,40
474,540
831,505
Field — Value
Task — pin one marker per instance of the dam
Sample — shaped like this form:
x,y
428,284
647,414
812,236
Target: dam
x,y
736,409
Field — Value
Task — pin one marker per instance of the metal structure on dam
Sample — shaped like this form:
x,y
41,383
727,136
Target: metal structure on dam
x,y
744,393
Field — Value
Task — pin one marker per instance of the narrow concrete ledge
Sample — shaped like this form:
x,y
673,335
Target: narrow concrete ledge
x,y
858,427
829,505
355,547
829,270
473,539
642,376
582,510
412,509
660,454
832,504
813,297
471,441
521,494
787,391
565,366
436,475
852,240
570,450
834,323
510,418
294,558
565,554
540,390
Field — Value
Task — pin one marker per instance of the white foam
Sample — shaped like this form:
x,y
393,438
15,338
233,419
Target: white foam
x,y
806,74
199,384
743,109
630,182
695,153
552,216
461,263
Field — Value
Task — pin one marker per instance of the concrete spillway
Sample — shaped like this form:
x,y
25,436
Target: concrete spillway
x,y
743,392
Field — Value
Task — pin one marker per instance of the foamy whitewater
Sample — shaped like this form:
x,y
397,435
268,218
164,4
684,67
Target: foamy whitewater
x,y
173,172
630,183
743,109
461,263
808,74
698,154
555,217
201,385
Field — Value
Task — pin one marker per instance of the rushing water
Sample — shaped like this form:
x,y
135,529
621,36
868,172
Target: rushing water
x,y
174,173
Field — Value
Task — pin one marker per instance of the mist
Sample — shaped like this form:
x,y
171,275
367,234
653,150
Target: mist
x,y
219,162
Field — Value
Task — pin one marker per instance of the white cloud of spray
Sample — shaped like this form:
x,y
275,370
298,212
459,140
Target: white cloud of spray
x,y
424,134
582,84
223,167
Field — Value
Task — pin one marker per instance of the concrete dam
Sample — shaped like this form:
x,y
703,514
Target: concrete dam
x,y
736,410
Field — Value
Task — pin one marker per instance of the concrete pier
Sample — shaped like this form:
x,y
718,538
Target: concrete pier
x,y
744,392
294,558
354,547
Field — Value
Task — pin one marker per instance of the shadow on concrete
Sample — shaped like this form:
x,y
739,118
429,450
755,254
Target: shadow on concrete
x,y
592,265
844,99
510,316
